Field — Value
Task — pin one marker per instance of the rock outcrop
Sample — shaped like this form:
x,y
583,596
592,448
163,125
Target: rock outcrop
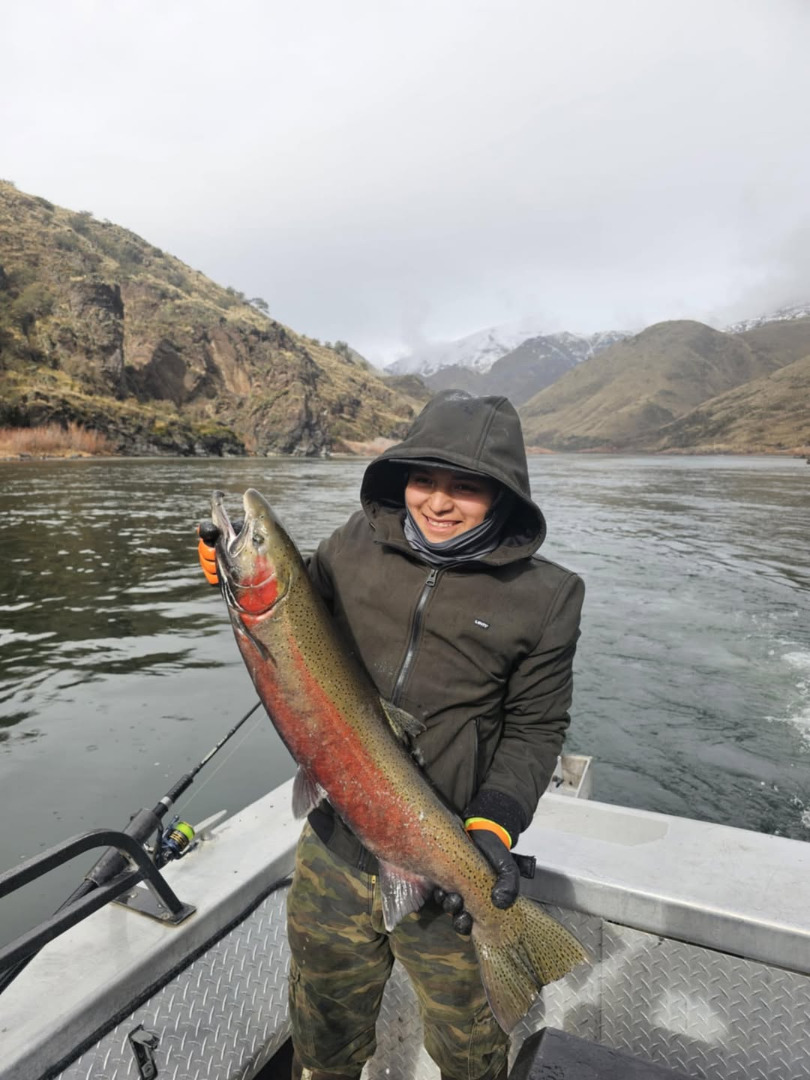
x,y
99,327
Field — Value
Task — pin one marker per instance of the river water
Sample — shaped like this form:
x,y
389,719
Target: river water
x,y
118,669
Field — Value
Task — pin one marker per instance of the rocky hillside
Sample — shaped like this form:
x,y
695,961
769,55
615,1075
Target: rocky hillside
x,y
626,397
99,327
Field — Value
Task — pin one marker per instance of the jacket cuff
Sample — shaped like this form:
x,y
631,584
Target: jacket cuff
x,y
498,807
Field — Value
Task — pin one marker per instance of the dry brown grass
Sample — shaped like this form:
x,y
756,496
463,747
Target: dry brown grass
x,y
52,440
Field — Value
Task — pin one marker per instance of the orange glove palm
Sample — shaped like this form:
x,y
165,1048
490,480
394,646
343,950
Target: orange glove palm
x,y
206,551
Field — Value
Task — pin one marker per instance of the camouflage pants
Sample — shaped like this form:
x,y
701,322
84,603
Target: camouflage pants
x,y
342,957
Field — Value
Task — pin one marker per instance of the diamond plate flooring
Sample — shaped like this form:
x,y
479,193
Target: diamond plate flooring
x,y
709,1015
703,1013
223,1017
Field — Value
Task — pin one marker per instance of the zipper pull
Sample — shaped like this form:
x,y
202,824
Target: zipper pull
x,y
432,576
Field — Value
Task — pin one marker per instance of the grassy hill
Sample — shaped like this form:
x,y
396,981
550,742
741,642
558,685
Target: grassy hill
x,y
101,328
625,397
768,414
782,341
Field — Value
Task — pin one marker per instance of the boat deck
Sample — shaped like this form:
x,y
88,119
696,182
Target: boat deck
x,y
699,933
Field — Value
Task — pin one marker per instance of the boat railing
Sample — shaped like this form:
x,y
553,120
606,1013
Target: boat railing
x,y
139,868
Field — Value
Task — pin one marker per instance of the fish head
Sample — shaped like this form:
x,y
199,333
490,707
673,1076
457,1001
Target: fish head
x,y
258,564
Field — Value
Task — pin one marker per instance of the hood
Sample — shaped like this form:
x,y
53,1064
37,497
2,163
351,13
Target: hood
x,y
479,434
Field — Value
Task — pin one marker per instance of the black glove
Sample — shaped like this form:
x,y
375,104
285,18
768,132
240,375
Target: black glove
x,y
504,892
208,532
507,886
452,903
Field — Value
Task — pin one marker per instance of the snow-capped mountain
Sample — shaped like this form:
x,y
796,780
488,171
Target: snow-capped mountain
x,y
522,372
583,346
785,314
479,351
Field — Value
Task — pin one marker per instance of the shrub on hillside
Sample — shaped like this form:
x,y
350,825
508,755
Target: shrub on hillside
x,y
179,280
67,241
80,222
123,251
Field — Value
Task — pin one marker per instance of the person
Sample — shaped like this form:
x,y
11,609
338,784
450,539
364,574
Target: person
x,y
437,588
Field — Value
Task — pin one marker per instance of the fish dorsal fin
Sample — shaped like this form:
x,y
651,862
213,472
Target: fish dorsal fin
x,y
403,725
401,893
306,794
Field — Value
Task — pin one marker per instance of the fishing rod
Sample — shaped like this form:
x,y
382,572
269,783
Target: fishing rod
x,y
168,846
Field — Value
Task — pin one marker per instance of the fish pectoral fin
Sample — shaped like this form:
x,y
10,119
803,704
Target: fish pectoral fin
x,y
250,641
402,893
306,794
403,725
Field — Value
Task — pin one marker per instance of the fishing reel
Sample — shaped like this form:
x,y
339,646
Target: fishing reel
x,y
173,842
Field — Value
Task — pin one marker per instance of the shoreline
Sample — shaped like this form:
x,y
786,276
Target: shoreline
x,y
340,455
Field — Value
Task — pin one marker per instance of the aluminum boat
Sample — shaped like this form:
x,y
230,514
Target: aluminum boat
x,y
699,936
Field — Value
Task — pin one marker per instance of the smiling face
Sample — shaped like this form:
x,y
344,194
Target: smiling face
x,y
445,503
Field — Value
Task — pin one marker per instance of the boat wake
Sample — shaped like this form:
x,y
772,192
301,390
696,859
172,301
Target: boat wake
x,y
798,715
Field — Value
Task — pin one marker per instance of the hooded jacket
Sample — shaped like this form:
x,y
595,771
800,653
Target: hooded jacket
x,y
480,652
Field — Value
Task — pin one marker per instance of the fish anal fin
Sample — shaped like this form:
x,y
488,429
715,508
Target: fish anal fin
x,y
306,794
403,725
402,893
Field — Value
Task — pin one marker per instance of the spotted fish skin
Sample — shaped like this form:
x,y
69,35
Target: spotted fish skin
x,y
329,716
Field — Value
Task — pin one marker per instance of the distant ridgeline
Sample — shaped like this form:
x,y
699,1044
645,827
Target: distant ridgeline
x,y
101,329
675,387
684,387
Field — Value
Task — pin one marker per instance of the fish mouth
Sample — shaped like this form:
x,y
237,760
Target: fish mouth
x,y
232,542
219,515
243,567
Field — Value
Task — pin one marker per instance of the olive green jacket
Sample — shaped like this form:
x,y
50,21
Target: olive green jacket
x,y
480,652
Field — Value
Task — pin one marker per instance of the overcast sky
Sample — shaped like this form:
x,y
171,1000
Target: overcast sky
x,y
388,173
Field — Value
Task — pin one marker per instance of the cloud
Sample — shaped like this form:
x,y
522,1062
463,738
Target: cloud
x,y
392,173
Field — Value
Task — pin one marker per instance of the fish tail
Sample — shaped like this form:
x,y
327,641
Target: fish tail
x,y
516,964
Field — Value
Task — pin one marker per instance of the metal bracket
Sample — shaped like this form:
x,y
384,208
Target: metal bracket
x,y
146,902
122,879
143,1044
526,864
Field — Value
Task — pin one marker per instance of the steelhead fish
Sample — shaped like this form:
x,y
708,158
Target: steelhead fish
x,y
350,746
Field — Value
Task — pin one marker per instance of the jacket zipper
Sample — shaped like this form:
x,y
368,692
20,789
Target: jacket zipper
x,y
476,753
416,630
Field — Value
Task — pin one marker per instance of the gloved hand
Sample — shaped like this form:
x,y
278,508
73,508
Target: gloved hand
x,y
507,885
453,904
206,550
